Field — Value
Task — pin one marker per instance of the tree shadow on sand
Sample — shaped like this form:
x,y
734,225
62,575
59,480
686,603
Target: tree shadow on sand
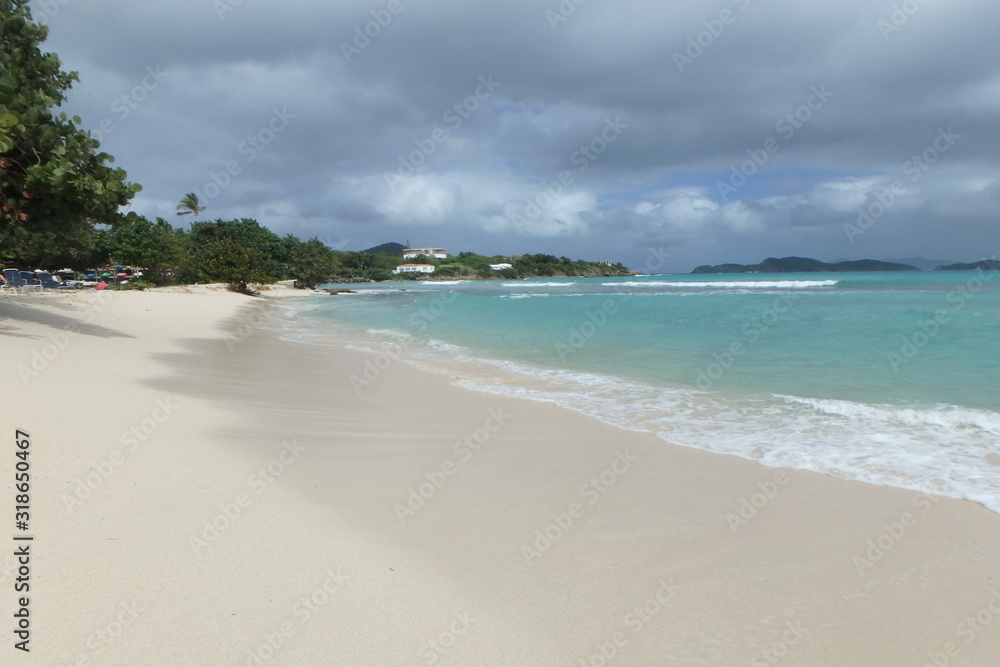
x,y
12,313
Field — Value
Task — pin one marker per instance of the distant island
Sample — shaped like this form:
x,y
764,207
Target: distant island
x,y
981,265
922,263
804,265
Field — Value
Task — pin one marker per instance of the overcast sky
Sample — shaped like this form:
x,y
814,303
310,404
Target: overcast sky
x,y
706,130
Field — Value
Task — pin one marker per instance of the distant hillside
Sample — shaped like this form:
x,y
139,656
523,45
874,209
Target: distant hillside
x,y
983,264
920,262
387,248
804,265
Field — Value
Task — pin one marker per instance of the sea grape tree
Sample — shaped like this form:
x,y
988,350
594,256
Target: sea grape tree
x,y
53,178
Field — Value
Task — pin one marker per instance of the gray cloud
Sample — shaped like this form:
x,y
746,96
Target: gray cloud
x,y
523,167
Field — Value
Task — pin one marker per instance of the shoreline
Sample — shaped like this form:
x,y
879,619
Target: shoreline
x,y
513,553
662,407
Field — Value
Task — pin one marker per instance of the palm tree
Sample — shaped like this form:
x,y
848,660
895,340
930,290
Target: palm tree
x,y
189,204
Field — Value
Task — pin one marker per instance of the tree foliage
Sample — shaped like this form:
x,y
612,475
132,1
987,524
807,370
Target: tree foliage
x,y
53,179
237,252
312,262
157,247
525,266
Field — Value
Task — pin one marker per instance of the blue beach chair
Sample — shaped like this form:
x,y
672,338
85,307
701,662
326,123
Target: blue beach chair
x,y
30,281
14,280
48,282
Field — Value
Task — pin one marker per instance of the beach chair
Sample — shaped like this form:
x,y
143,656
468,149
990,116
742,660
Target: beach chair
x,y
30,281
14,280
48,282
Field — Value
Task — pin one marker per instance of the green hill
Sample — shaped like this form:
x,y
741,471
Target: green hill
x,y
804,265
981,265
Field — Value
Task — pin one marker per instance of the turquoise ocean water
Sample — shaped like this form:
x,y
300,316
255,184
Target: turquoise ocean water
x,y
888,378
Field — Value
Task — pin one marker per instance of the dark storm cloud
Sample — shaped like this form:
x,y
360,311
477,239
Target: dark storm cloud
x,y
718,131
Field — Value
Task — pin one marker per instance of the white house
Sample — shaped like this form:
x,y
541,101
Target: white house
x,y
501,267
437,253
414,268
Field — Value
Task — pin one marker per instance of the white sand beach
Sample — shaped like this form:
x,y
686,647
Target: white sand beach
x,y
205,493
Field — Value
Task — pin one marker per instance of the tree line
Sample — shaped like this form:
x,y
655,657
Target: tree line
x,y
237,252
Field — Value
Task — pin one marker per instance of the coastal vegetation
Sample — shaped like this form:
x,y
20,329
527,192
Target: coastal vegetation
x,y
55,184
243,252
472,265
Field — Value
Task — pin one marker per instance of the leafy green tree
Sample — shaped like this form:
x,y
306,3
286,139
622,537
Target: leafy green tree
x,y
228,261
451,270
473,261
48,249
190,204
156,247
364,265
312,262
237,252
379,273
52,177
